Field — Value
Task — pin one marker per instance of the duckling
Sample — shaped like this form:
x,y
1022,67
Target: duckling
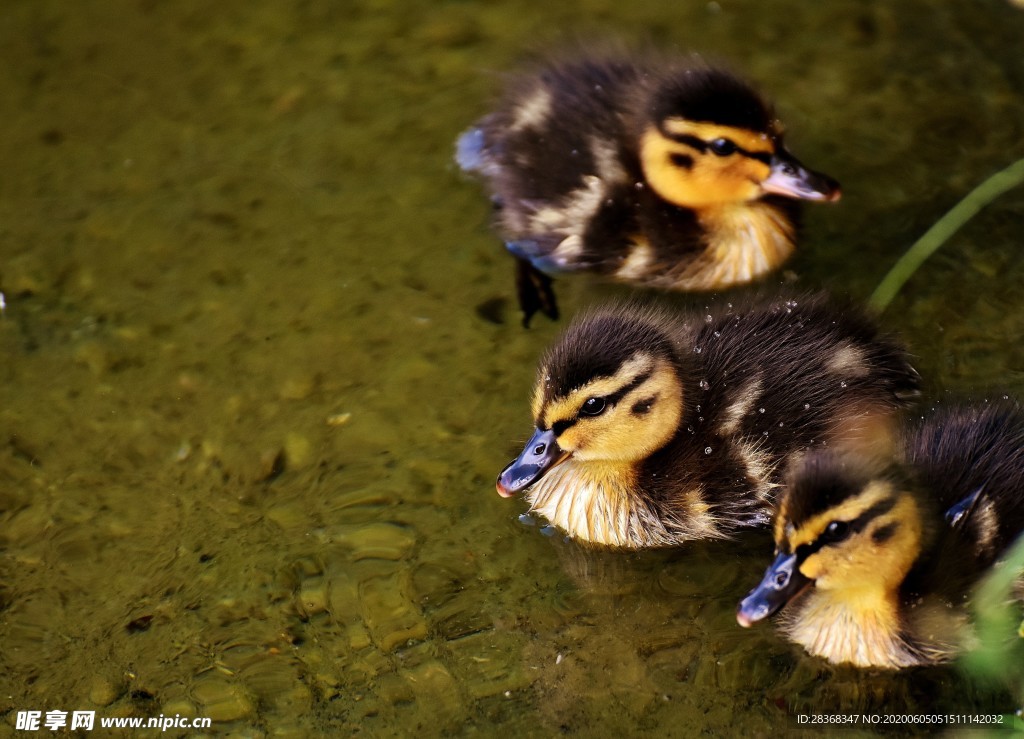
x,y
868,568
666,173
653,428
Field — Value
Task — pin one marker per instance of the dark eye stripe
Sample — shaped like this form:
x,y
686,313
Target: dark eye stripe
x,y
626,389
856,525
881,507
643,406
559,427
702,146
692,141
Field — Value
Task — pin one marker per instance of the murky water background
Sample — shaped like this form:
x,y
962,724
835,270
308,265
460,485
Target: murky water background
x,y
253,394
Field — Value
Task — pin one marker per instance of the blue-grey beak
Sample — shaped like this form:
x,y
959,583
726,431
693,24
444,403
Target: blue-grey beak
x,y
540,455
782,582
790,178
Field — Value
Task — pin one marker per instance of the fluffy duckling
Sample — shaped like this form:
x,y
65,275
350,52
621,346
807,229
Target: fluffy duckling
x,y
660,172
869,569
654,428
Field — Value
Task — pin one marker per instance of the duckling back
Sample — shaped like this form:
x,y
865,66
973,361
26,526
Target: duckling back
x,y
552,133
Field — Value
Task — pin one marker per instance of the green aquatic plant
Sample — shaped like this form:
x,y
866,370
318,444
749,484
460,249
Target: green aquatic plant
x,y
1000,651
942,230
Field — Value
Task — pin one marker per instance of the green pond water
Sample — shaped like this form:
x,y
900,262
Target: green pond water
x,y
260,362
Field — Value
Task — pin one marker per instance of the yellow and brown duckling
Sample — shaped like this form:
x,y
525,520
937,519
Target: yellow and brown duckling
x,y
874,563
654,428
660,172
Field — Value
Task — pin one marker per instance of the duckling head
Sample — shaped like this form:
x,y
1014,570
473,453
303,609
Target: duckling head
x,y
847,529
609,392
708,140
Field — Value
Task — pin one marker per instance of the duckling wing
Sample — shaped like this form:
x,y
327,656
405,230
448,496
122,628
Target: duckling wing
x,y
961,450
555,145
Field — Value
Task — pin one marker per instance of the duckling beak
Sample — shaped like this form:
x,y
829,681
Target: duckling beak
x,y
540,455
790,178
782,582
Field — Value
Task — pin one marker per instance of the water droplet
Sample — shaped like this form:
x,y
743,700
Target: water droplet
x,y
526,519
807,406
780,424
704,385
708,318
760,410
842,384
707,450
765,433
696,350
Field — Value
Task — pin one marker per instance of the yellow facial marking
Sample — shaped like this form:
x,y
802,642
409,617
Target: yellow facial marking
x,y
694,177
567,408
854,613
848,510
642,416
862,562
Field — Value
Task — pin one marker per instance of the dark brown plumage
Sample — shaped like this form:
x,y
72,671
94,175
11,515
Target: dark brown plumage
x,y
964,450
656,171
653,428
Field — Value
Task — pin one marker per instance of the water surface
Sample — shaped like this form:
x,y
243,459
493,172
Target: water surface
x,y
261,362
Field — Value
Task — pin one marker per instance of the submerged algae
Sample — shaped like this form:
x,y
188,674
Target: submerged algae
x,y
211,257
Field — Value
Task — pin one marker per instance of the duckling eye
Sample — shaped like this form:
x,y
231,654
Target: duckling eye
x,y
593,407
836,531
722,147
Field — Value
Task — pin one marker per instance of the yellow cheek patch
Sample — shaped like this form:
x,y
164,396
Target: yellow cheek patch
x,y
861,562
624,431
751,141
812,567
709,181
